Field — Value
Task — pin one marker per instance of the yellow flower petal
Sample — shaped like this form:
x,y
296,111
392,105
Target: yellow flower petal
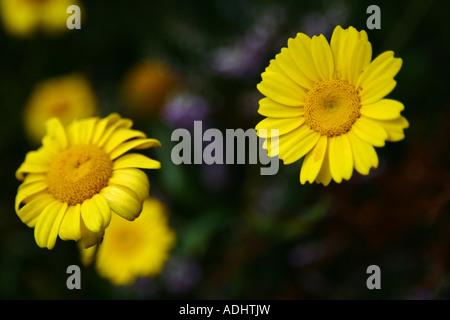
x,y
41,157
89,238
87,130
352,52
74,130
56,137
134,144
281,89
274,67
105,136
377,90
370,131
96,213
337,44
364,155
123,201
300,51
101,126
35,162
272,109
282,125
70,225
134,179
360,58
341,159
34,177
322,56
291,69
394,128
136,160
296,144
385,66
385,109
313,161
47,225
25,191
120,136
30,212
87,255
324,177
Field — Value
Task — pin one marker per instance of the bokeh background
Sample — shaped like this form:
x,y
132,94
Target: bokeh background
x,y
241,235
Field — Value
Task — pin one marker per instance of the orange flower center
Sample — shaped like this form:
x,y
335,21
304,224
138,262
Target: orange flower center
x,y
78,173
331,107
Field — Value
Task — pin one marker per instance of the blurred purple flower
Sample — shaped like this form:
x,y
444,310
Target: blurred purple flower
x,y
244,57
181,275
315,23
183,108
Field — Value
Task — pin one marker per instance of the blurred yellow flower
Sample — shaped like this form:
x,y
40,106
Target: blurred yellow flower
x,y
67,98
134,249
22,18
79,176
147,86
327,102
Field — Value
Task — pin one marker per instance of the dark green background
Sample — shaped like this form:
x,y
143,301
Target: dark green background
x,y
242,235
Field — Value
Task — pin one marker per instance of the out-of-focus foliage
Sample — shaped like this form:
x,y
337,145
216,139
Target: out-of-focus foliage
x,y
240,234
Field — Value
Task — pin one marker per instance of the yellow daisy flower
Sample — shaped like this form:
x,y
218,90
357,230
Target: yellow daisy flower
x,y
134,249
66,97
327,102
24,17
79,176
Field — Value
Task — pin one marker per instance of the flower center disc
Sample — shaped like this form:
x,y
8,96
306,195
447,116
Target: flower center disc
x,y
331,107
78,173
